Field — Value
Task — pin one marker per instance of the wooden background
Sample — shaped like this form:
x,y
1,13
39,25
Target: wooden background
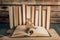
x,y
55,10
55,14
7,1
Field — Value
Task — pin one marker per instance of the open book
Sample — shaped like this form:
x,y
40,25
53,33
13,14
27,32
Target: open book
x,y
21,31
30,30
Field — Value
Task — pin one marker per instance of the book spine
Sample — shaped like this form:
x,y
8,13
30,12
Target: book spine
x,y
28,12
48,17
36,17
20,15
11,16
24,17
40,15
33,12
44,17
16,15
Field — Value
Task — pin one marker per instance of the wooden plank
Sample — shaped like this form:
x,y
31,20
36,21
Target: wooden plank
x,y
20,15
55,20
24,14
28,12
30,38
16,15
44,17
11,16
55,14
39,15
36,18
48,17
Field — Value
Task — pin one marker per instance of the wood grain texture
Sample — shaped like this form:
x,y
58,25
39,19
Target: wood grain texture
x,y
55,14
55,20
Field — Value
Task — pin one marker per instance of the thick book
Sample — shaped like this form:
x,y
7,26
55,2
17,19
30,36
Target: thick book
x,y
39,31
